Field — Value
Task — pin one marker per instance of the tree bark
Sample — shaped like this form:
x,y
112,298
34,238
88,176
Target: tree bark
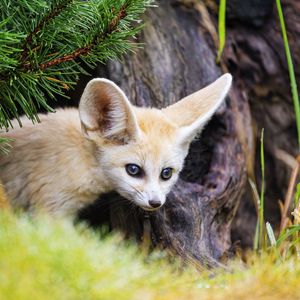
x,y
177,59
255,56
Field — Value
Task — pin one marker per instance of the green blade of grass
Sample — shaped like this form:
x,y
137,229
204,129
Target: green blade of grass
x,y
256,237
256,203
290,68
287,233
221,28
297,195
262,192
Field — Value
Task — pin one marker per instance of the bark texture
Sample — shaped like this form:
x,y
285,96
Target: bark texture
x,y
255,56
179,58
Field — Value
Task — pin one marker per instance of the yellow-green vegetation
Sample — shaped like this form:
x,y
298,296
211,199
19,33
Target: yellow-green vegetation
x,y
3,200
221,28
49,259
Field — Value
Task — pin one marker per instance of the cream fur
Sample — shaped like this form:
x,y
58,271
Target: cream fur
x,y
65,162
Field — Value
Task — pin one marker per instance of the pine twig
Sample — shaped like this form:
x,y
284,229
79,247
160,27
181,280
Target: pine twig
x,y
47,18
58,37
84,50
115,22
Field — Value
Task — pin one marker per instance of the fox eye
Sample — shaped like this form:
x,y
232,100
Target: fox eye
x,y
134,170
166,173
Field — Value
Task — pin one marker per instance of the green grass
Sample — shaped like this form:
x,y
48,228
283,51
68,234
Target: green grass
x,y
290,68
287,243
260,232
221,28
50,259
262,193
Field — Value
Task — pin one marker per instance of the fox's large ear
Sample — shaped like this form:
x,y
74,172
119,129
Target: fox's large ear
x,y
192,112
106,113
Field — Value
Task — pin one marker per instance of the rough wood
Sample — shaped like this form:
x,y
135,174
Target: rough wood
x,y
178,59
255,56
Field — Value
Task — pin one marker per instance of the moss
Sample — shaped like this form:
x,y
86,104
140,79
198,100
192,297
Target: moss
x,y
49,259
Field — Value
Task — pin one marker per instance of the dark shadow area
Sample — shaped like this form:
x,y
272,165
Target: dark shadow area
x,y
198,161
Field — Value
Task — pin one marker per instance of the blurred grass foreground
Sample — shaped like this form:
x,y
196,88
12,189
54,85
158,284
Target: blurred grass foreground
x,y
49,259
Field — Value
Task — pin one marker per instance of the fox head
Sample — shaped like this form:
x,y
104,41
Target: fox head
x,y
142,150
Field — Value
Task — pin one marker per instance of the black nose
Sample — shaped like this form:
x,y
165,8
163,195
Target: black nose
x,y
155,203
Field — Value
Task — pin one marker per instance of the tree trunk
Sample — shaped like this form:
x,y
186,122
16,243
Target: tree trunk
x,y
179,58
256,57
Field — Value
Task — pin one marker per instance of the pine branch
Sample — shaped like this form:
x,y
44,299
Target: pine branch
x,y
114,23
84,50
61,38
46,19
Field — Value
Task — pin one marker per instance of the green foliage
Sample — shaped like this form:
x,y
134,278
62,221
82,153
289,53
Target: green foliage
x,y
290,68
222,28
287,244
50,259
262,191
4,145
45,45
289,232
260,233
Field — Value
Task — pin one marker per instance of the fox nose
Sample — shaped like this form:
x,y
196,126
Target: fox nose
x,y
154,203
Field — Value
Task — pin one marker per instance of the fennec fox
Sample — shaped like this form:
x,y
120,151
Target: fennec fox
x,y
65,162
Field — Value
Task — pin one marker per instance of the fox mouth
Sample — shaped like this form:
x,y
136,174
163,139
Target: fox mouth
x,y
147,208
140,205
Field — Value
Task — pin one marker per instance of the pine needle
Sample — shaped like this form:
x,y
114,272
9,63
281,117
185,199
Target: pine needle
x,y
46,45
